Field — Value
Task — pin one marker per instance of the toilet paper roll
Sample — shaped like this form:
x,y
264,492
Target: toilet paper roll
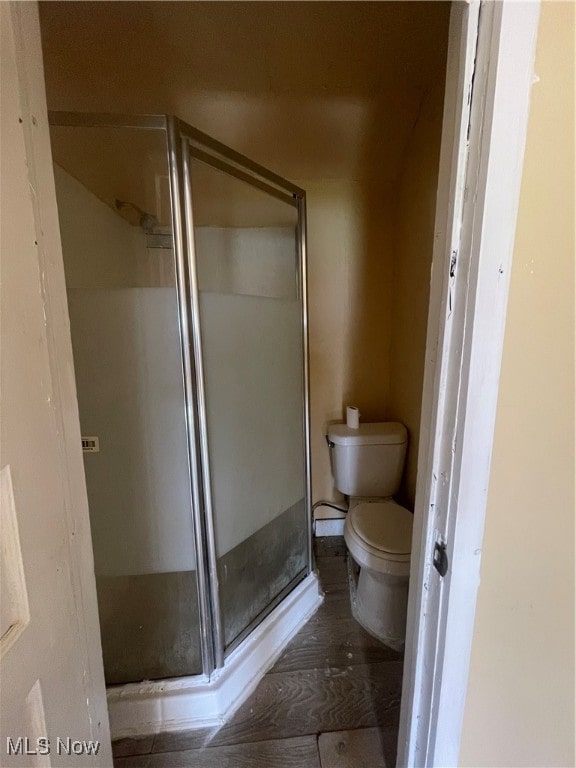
x,y
352,417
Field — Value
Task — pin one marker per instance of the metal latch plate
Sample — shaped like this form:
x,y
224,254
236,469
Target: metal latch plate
x,y
440,559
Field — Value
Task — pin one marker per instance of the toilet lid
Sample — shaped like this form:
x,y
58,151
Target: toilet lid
x,y
384,525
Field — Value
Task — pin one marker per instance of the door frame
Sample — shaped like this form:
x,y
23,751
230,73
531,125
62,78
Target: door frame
x,y
490,67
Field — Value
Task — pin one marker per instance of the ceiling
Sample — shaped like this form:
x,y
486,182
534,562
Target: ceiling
x,y
312,90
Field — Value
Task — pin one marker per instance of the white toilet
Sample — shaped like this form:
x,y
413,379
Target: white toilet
x,y
367,464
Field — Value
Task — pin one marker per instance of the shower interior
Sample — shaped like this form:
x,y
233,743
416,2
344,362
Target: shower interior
x,y
186,280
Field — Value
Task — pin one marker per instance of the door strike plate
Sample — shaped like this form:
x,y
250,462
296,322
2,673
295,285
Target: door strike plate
x,y
440,559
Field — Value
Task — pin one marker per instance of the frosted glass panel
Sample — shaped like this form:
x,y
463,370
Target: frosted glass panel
x,y
250,312
114,207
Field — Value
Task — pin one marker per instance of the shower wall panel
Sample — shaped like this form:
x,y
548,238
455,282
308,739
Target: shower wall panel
x,y
247,256
254,410
126,352
126,342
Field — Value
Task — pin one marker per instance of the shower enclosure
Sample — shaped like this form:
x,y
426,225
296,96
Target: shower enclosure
x,y
185,267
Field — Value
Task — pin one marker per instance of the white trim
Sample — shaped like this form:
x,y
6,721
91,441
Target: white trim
x,y
451,182
138,709
333,526
464,347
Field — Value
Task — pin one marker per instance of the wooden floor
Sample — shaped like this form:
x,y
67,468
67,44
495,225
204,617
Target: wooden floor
x,y
332,700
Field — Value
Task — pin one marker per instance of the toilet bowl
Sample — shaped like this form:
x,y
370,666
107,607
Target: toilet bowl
x,y
378,536
367,464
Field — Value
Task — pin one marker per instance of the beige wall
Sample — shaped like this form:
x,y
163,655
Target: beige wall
x,y
350,288
414,240
520,702
370,259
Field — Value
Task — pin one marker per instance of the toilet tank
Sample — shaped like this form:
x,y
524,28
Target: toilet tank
x,y
368,461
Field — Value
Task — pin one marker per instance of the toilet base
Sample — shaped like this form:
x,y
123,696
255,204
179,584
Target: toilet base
x,y
379,604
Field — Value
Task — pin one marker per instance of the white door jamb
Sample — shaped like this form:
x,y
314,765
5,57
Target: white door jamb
x,y
492,47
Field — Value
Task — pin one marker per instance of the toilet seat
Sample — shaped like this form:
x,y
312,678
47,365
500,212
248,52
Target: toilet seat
x,y
379,536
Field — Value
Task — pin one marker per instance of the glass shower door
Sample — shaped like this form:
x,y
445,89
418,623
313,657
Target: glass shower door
x,y
185,275
112,185
247,252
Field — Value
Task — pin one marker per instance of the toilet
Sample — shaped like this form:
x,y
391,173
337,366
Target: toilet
x,y
367,465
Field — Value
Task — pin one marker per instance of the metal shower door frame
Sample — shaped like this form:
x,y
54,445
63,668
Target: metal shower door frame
x,y
183,142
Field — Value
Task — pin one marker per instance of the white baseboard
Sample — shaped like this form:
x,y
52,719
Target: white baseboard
x,y
331,527
139,709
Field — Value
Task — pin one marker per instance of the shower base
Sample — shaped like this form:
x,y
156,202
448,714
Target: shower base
x,y
138,709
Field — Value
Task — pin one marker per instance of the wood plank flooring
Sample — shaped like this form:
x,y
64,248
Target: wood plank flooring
x,y
332,700
299,752
348,749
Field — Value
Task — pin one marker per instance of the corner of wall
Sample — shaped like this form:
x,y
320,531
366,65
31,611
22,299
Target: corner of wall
x,y
414,241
